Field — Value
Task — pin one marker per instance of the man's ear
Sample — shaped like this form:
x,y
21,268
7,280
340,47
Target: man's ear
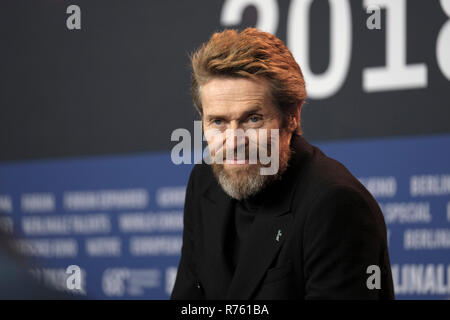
x,y
294,120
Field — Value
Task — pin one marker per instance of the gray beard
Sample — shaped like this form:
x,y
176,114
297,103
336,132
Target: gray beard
x,y
245,182
244,187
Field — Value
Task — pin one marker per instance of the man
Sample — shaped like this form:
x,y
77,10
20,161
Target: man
x,y
309,231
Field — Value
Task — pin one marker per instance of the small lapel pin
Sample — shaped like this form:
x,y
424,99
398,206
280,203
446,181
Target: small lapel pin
x,y
278,236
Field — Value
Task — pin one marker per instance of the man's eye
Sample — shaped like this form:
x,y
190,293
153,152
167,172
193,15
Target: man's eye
x,y
217,122
255,118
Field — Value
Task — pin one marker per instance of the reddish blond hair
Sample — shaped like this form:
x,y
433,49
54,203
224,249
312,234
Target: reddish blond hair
x,y
250,53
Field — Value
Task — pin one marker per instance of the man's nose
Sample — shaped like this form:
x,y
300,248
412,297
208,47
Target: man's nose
x,y
239,137
234,125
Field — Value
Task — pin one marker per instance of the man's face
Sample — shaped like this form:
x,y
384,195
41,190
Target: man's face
x,y
242,103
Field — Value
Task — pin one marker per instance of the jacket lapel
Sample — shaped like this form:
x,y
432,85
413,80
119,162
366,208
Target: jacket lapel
x,y
218,211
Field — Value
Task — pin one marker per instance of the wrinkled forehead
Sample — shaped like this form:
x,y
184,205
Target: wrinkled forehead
x,y
235,96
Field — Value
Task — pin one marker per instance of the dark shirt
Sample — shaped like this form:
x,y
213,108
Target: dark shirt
x,y
243,215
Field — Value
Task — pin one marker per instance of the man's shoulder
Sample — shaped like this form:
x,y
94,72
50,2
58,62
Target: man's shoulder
x,y
324,184
202,171
328,171
201,177
322,175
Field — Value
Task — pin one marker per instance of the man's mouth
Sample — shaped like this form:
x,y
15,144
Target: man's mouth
x,y
236,161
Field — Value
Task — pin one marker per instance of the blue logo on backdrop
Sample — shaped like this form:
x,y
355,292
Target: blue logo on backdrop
x,y
120,218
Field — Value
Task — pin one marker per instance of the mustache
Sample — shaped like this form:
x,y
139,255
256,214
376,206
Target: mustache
x,y
241,152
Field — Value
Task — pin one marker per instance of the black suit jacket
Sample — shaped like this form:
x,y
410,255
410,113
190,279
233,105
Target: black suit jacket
x,y
314,239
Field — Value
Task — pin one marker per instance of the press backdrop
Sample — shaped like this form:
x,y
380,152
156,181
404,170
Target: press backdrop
x,y
91,91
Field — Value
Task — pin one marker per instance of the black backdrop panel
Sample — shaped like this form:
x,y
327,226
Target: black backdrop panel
x,y
121,83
